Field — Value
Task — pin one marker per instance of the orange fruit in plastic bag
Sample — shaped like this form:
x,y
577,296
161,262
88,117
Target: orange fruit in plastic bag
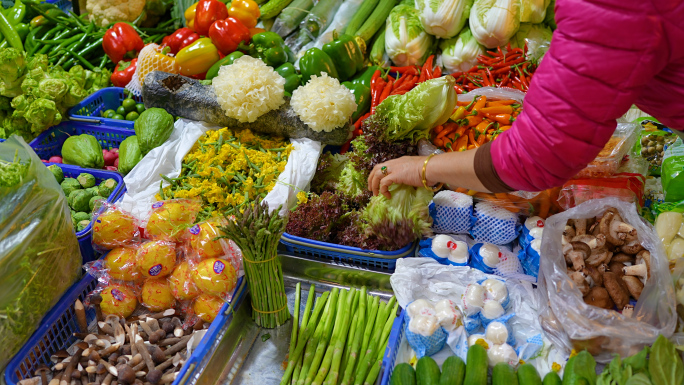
x,y
121,263
169,219
114,229
156,294
118,300
214,276
156,259
182,286
207,307
202,240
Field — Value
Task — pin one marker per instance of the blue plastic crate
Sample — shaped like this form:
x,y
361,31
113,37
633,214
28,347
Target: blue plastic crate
x,y
50,142
64,5
85,236
89,110
56,332
393,344
385,260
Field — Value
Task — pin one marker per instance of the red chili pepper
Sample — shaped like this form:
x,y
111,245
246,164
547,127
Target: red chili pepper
x,y
458,89
228,34
407,70
376,88
345,147
121,41
428,67
405,86
400,81
386,91
437,73
180,39
123,73
208,11
509,63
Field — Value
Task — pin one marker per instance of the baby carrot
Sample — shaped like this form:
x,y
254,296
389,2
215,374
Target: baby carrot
x,y
501,103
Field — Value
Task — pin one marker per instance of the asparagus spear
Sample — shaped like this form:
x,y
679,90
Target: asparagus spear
x,y
334,374
373,311
375,370
319,363
295,319
294,356
313,343
307,308
336,347
356,344
370,353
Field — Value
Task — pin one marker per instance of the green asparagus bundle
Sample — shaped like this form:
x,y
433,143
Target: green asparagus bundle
x,y
257,233
342,341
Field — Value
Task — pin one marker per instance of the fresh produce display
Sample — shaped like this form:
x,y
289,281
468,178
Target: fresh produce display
x,y
258,122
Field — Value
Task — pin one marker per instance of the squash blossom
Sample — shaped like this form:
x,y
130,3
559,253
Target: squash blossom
x,y
226,170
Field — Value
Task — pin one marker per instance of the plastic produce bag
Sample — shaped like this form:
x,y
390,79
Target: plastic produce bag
x,y
673,172
609,159
39,253
572,324
626,187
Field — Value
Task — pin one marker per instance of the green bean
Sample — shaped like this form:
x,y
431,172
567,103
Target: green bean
x,y
82,60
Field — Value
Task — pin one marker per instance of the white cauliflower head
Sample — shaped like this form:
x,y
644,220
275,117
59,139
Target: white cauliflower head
x,y
105,12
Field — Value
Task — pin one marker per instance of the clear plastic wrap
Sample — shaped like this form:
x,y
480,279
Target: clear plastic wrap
x,y
39,253
207,307
113,227
572,324
170,218
627,187
542,204
673,172
117,299
121,264
156,259
609,159
214,276
156,295
182,286
493,93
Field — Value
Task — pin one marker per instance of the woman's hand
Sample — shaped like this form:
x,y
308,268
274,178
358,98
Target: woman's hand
x,y
405,170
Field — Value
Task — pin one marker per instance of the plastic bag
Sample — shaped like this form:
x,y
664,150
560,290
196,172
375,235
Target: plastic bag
x,y
670,229
627,187
170,218
39,253
542,204
572,324
673,172
654,139
609,159
156,295
493,93
114,227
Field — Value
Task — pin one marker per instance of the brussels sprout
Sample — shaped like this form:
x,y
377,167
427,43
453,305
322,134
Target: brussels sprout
x,y
81,225
71,196
57,172
69,185
93,200
81,216
107,187
93,190
86,180
80,201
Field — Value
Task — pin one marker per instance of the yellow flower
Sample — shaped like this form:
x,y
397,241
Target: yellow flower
x,y
556,367
482,343
573,353
302,197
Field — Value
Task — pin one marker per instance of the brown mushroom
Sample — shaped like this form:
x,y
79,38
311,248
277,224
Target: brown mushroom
x,y
622,258
620,231
580,251
42,371
580,226
595,275
599,297
599,256
634,285
616,289
126,374
580,279
632,247
642,269
616,268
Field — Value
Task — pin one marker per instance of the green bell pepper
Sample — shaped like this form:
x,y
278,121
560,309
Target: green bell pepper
x,y
227,60
366,76
269,47
314,62
362,95
346,54
292,78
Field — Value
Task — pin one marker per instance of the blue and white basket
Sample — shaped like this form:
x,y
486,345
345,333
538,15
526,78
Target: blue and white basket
x,y
451,212
494,224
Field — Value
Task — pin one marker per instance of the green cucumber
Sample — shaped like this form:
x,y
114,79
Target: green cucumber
x,y
504,374
360,16
403,374
273,8
376,20
527,374
476,366
453,371
320,17
552,378
427,371
377,52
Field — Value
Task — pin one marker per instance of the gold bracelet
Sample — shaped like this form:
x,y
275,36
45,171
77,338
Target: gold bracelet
x,y
433,189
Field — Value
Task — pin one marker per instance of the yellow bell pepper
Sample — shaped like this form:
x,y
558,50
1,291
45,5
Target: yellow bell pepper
x,y
198,57
247,11
190,16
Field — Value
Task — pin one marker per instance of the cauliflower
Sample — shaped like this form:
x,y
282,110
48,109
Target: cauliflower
x,y
248,88
323,103
105,12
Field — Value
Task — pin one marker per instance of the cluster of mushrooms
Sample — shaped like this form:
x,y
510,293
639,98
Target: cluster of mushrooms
x,y
606,261
147,349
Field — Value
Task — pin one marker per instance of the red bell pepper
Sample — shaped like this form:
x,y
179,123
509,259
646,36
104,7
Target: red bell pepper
x,y
180,39
208,11
227,34
123,73
121,41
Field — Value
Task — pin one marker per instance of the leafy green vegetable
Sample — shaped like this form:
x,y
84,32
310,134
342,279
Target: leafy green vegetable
x,y
406,41
12,173
411,116
664,364
443,18
407,203
493,22
328,172
639,379
12,71
460,52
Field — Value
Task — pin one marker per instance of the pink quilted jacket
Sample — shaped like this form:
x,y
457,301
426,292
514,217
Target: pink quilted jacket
x,y
606,55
